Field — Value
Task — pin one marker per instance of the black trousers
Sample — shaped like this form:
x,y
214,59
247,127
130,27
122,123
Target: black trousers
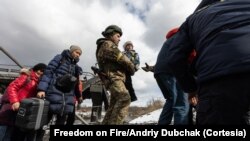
x,y
71,117
23,135
224,101
129,86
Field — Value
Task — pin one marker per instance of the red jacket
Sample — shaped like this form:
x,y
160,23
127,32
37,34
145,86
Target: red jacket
x,y
78,91
23,87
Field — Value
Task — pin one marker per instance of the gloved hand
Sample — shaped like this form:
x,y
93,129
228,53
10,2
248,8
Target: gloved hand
x,y
148,68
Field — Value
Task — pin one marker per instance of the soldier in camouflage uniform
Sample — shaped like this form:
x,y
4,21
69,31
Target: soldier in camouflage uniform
x,y
114,65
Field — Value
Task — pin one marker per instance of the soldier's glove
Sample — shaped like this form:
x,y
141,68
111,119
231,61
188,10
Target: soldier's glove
x,y
148,68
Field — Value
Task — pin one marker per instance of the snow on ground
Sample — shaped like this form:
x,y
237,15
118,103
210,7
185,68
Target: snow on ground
x,y
150,118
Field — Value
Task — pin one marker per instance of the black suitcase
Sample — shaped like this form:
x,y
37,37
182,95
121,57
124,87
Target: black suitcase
x,y
32,114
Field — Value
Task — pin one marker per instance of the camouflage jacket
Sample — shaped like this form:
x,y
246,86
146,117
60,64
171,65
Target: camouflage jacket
x,y
112,61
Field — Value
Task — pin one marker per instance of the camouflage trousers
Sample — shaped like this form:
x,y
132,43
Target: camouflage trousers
x,y
119,104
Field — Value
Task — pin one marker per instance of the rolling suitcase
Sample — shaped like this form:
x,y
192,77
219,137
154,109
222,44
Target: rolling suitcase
x,y
32,114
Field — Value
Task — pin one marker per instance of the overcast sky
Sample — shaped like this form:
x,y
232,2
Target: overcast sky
x,y
34,31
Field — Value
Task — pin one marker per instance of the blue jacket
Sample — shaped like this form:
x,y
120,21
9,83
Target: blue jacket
x,y
60,65
161,65
220,34
134,57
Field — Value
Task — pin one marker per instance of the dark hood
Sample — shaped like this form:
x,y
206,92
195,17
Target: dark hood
x,y
99,42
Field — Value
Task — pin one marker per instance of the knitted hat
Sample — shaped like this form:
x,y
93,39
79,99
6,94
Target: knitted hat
x,y
128,43
74,47
172,32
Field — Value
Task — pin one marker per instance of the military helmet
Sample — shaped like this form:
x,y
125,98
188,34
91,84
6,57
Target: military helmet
x,y
111,29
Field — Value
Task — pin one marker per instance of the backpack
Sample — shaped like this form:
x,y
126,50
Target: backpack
x,y
66,82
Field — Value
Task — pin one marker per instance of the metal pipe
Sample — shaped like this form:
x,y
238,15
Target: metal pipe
x,y
81,119
12,58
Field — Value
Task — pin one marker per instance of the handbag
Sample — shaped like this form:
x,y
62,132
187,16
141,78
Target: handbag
x,y
66,83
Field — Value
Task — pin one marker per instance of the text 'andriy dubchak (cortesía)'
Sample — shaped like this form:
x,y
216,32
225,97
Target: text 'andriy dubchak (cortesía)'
x,y
154,133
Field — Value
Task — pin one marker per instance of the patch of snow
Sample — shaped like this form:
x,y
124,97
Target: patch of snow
x,y
150,118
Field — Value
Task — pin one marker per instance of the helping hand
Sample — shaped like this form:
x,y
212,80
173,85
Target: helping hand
x,y
41,94
148,68
193,98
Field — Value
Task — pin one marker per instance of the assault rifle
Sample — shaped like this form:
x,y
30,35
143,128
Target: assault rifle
x,y
101,75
